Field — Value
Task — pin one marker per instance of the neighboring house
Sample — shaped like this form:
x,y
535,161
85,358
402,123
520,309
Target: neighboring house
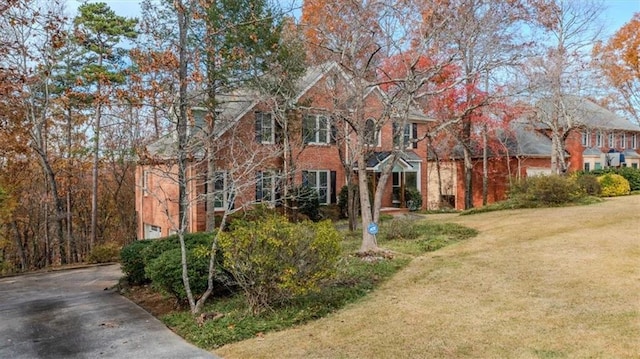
x,y
252,160
598,139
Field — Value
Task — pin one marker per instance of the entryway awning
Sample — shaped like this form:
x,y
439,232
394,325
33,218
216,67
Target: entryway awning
x,y
377,160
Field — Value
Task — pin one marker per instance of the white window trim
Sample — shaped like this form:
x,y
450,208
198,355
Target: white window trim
x,y
623,140
316,130
634,141
273,175
586,139
225,191
377,135
612,140
272,124
317,180
599,139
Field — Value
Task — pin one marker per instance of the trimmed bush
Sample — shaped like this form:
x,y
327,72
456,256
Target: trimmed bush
x,y
614,185
159,246
629,173
104,253
132,262
546,190
273,261
589,184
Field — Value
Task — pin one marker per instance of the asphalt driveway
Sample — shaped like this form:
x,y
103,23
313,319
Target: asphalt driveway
x,y
74,314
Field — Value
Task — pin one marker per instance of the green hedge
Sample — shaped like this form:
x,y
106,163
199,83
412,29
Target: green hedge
x,y
132,262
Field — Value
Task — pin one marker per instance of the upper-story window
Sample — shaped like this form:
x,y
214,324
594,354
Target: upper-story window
x,y
316,129
221,193
623,140
599,139
634,141
265,128
612,140
371,133
585,139
407,138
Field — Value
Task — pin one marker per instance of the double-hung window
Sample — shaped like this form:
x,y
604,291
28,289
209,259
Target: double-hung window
x,y
599,141
316,129
585,139
634,141
265,128
612,140
266,186
407,137
623,140
324,182
220,191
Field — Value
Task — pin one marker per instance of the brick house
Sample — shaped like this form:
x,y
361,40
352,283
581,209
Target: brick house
x,y
252,161
599,139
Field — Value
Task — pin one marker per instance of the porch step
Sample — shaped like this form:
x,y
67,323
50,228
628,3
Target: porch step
x,y
394,211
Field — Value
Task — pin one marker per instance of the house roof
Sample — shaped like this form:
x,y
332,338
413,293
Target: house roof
x,y
376,159
588,114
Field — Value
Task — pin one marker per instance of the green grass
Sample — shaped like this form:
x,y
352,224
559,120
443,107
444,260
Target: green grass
x,y
355,279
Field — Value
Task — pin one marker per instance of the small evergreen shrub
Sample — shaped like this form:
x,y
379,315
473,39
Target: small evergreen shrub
x,y
632,175
161,245
614,185
343,199
165,272
104,253
273,261
305,200
589,184
413,198
132,262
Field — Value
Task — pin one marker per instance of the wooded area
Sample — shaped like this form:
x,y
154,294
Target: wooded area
x,y
80,96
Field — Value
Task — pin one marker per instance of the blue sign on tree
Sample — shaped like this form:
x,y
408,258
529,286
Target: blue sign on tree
x,y
372,228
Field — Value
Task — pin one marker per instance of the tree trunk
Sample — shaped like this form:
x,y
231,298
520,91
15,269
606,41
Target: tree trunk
x,y
369,243
485,166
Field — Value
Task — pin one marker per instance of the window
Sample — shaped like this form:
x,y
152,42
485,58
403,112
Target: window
x,y
410,182
585,139
266,186
597,166
145,182
634,165
611,143
396,186
408,137
324,182
316,129
599,141
151,231
634,141
221,194
265,128
623,140
371,133
587,166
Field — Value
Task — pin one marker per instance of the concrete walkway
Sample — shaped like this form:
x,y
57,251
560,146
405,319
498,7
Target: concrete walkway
x,y
74,314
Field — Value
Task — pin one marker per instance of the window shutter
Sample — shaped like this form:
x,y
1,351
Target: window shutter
x,y
333,187
259,194
414,135
278,183
258,125
395,134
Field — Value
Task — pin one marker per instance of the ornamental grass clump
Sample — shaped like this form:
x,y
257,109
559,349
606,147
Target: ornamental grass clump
x,y
614,185
274,261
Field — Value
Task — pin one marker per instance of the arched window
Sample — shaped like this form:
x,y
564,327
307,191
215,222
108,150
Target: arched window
x,y
371,135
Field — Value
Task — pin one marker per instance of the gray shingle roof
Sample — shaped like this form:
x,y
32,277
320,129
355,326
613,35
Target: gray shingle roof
x,y
587,114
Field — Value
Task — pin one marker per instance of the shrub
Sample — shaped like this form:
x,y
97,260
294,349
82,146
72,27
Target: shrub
x,y
274,260
104,253
614,185
132,262
589,184
399,228
413,198
632,175
305,199
343,198
546,190
159,246
165,272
